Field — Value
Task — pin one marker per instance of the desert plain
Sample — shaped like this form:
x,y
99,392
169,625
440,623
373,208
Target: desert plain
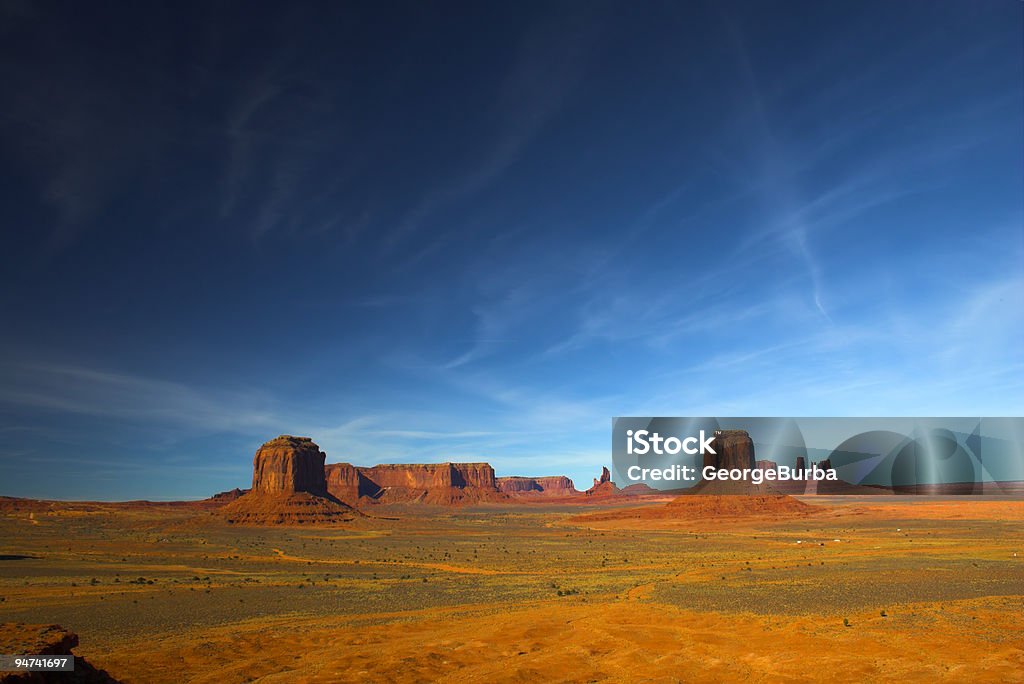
x,y
909,588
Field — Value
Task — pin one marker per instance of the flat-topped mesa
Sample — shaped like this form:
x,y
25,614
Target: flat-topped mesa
x,y
767,465
431,475
733,449
549,486
289,487
286,465
436,483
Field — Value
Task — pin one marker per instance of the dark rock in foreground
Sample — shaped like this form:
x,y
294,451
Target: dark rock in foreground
x,y
18,638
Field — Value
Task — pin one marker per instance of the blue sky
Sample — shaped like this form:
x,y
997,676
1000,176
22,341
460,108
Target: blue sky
x,y
425,232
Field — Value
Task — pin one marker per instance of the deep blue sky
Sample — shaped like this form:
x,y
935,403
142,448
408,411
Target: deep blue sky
x,y
444,231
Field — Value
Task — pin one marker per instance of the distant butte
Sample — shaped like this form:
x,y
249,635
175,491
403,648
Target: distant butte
x,y
558,485
292,484
733,449
603,486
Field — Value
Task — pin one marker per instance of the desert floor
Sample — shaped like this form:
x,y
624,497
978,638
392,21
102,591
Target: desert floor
x,y
862,588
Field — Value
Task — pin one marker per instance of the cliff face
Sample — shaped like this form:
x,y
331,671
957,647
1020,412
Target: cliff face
x,y
733,449
474,475
556,485
286,465
346,482
436,483
431,475
289,486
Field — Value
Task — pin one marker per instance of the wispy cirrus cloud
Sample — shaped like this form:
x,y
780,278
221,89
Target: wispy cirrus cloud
x,y
106,393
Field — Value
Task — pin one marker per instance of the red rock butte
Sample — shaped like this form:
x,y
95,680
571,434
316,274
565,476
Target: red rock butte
x,y
603,486
733,449
289,486
556,485
287,464
292,484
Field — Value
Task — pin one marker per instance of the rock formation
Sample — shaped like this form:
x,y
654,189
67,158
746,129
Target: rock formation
x,y
432,475
801,464
18,638
228,496
289,486
557,485
733,449
286,465
639,489
603,486
433,483
347,483
731,498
